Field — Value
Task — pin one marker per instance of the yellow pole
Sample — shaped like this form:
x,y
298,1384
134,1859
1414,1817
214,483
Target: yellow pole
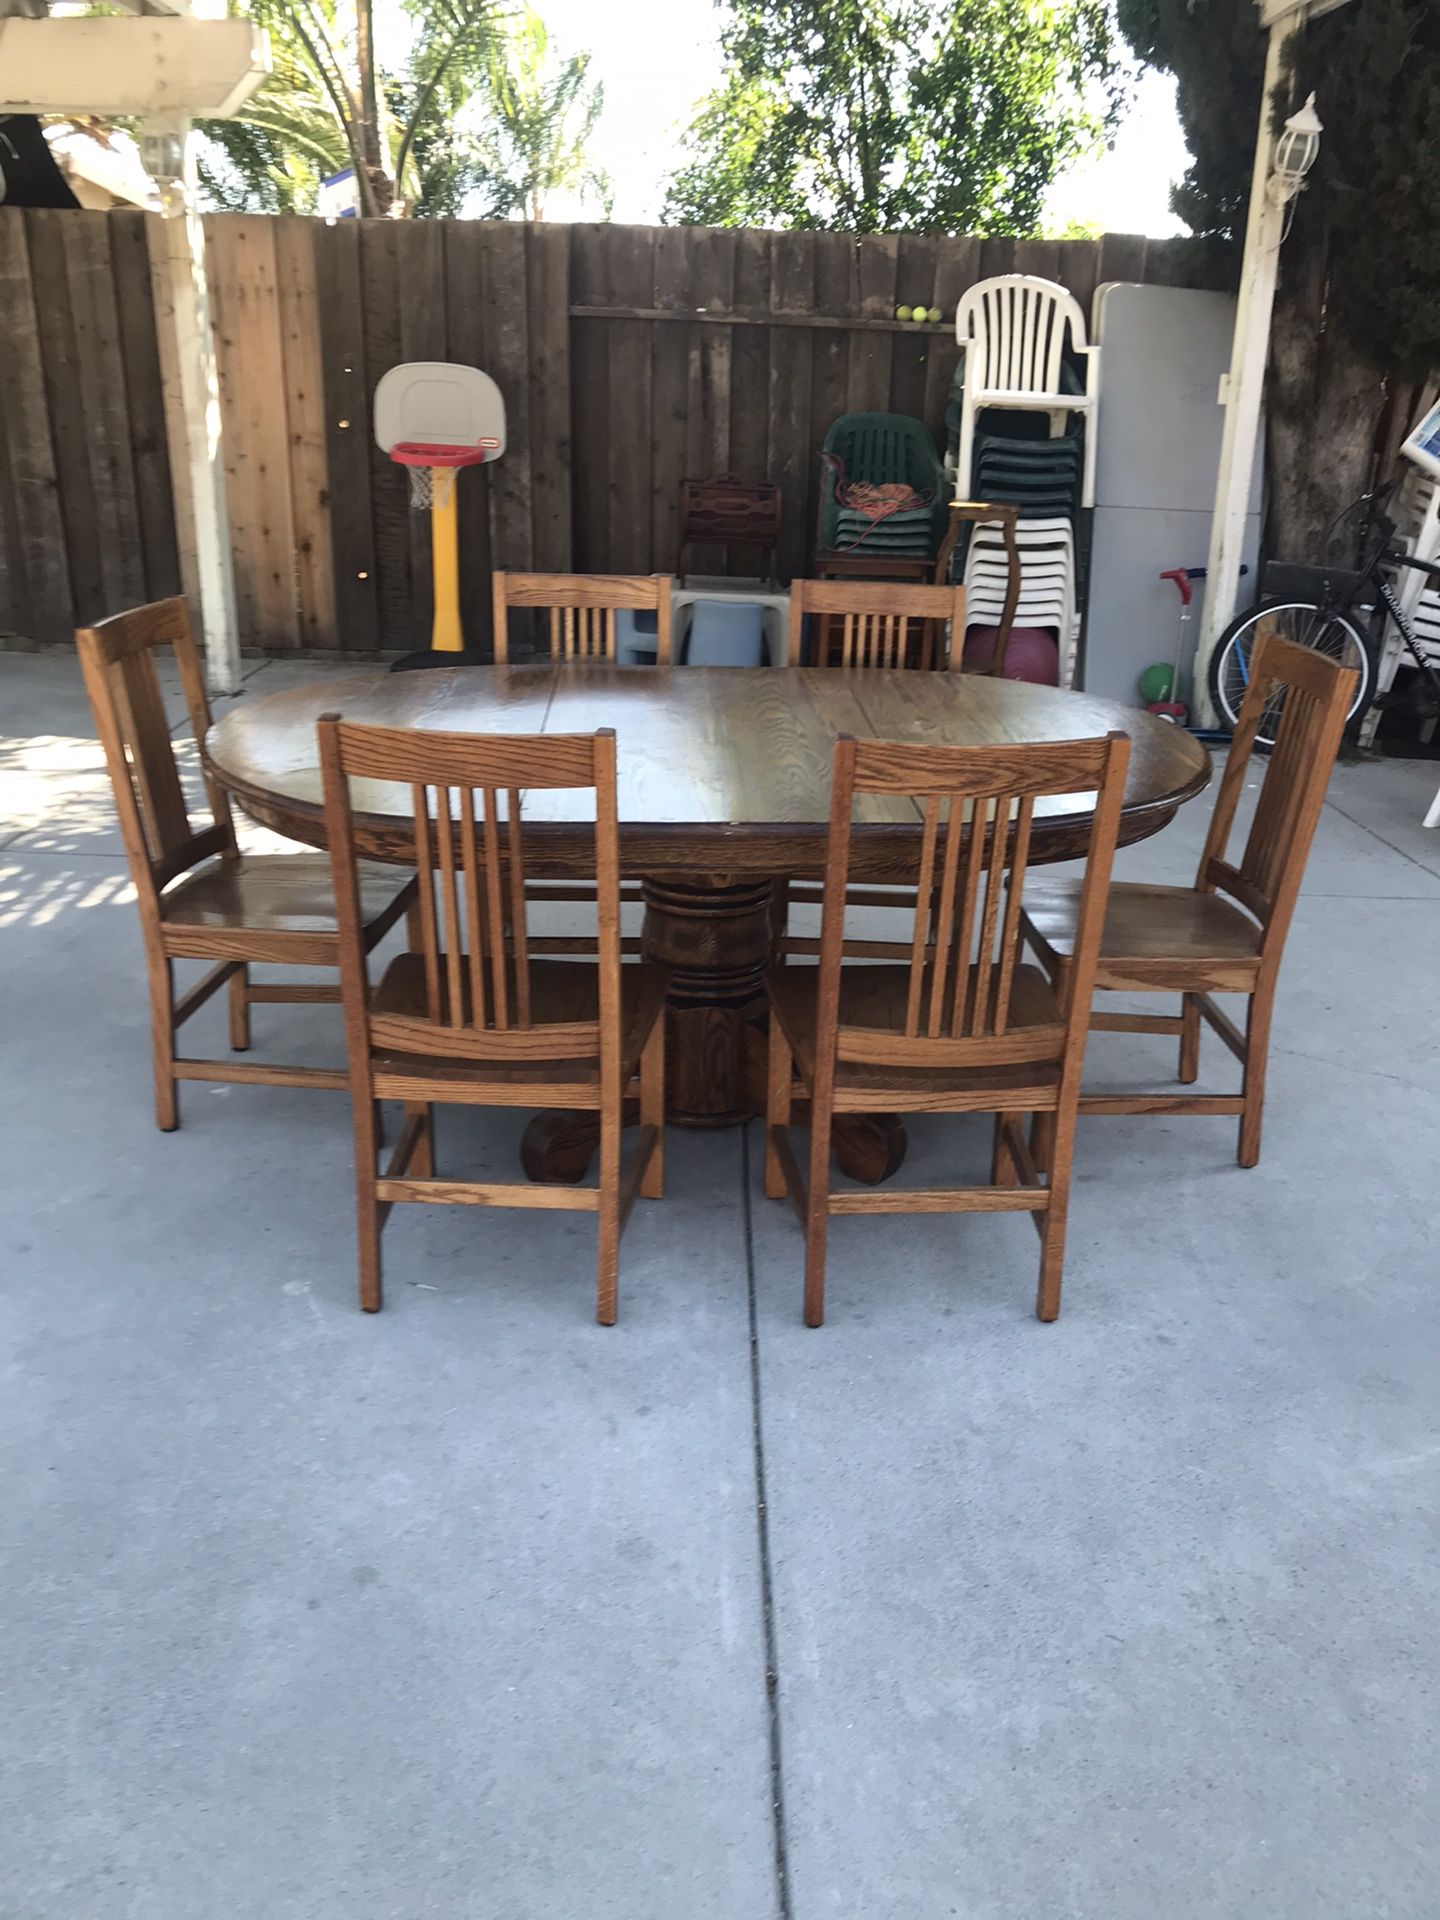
x,y
445,635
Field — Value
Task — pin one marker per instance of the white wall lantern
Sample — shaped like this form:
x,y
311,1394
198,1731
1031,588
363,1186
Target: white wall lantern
x,y
1295,154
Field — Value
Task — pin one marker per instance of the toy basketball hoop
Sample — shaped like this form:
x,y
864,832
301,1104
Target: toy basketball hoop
x,y
433,469
434,417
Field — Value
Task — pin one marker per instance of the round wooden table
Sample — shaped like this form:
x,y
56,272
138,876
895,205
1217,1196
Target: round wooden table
x,y
724,790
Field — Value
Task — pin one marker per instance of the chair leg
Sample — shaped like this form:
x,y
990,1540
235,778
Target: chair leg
x,y
1042,1139
607,1275
1257,1051
240,1010
1002,1165
652,1109
413,929
777,1106
161,973
367,1210
1189,1039
1052,1233
422,1161
818,1217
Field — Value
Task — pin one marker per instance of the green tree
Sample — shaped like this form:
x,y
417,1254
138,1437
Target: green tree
x,y
1357,319
885,115
333,102
541,112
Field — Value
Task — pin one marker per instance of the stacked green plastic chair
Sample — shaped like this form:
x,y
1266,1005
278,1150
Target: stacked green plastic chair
x,y
881,449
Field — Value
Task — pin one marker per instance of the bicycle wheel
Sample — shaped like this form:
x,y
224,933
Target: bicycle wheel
x,y
1317,628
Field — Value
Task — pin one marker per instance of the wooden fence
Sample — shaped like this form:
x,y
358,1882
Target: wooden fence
x,y
629,357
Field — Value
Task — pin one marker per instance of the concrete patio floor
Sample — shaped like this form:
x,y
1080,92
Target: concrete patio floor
x,y
478,1611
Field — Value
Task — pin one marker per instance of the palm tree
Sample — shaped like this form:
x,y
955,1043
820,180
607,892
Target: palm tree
x,y
544,111
330,104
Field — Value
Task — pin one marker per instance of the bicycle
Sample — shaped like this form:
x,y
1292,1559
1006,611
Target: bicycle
x,y
1327,609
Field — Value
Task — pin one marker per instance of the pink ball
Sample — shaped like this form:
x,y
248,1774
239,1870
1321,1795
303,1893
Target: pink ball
x,y
1031,654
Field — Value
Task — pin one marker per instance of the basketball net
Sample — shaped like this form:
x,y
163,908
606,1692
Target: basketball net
x,y
431,487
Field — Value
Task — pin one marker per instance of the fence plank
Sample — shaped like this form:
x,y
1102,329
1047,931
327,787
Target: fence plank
x,y
630,281
145,393
837,291
669,393
104,403
59,353
871,353
590,401
36,546
707,372
418,251
792,290
252,398
910,352
507,348
1078,268
300,345
15,614
548,291
465,342
957,263
389,486
347,431
750,362
1122,257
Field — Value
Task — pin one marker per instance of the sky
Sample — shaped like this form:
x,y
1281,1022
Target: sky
x,y
656,58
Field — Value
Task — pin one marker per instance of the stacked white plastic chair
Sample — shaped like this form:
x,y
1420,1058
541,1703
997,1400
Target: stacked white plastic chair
x,y
1023,342
1047,582
1012,331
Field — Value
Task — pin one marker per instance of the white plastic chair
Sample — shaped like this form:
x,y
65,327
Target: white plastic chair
x,y
1012,332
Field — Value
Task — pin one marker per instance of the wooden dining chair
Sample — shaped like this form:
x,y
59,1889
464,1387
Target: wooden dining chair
x,y
960,1026
471,1018
882,623
201,898
582,609
1226,933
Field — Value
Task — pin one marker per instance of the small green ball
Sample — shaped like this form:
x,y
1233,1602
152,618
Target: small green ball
x,y
936,316
919,313
1155,683
902,313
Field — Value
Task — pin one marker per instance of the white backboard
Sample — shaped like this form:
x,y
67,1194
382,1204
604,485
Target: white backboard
x,y
439,403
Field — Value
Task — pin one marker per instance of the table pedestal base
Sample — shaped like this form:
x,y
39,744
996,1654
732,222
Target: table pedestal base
x,y
717,935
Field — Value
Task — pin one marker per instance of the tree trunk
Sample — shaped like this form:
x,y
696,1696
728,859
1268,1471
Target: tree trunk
x,y
1327,405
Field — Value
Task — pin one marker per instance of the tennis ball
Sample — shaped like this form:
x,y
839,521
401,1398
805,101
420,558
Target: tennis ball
x,y
935,316
902,313
918,313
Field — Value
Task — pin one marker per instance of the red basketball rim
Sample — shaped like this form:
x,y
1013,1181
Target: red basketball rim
x,y
418,453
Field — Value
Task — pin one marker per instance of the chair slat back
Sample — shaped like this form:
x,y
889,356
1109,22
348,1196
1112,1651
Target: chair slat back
x,y
1316,693
875,619
1015,327
468,795
582,609
977,808
118,661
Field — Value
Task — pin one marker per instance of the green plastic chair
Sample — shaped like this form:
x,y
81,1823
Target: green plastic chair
x,y
882,449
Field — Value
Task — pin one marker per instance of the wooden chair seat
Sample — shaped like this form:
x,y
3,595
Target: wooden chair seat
x,y
1151,934
1226,933
876,999
292,896
562,993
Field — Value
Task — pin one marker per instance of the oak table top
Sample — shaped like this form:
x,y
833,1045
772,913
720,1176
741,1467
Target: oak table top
x,y
720,769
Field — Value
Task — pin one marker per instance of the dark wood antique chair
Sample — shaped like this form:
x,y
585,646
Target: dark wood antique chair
x,y
471,1018
1226,933
960,1026
877,623
201,898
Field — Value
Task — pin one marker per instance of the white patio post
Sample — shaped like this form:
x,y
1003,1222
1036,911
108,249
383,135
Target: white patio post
x,y
1244,385
169,148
